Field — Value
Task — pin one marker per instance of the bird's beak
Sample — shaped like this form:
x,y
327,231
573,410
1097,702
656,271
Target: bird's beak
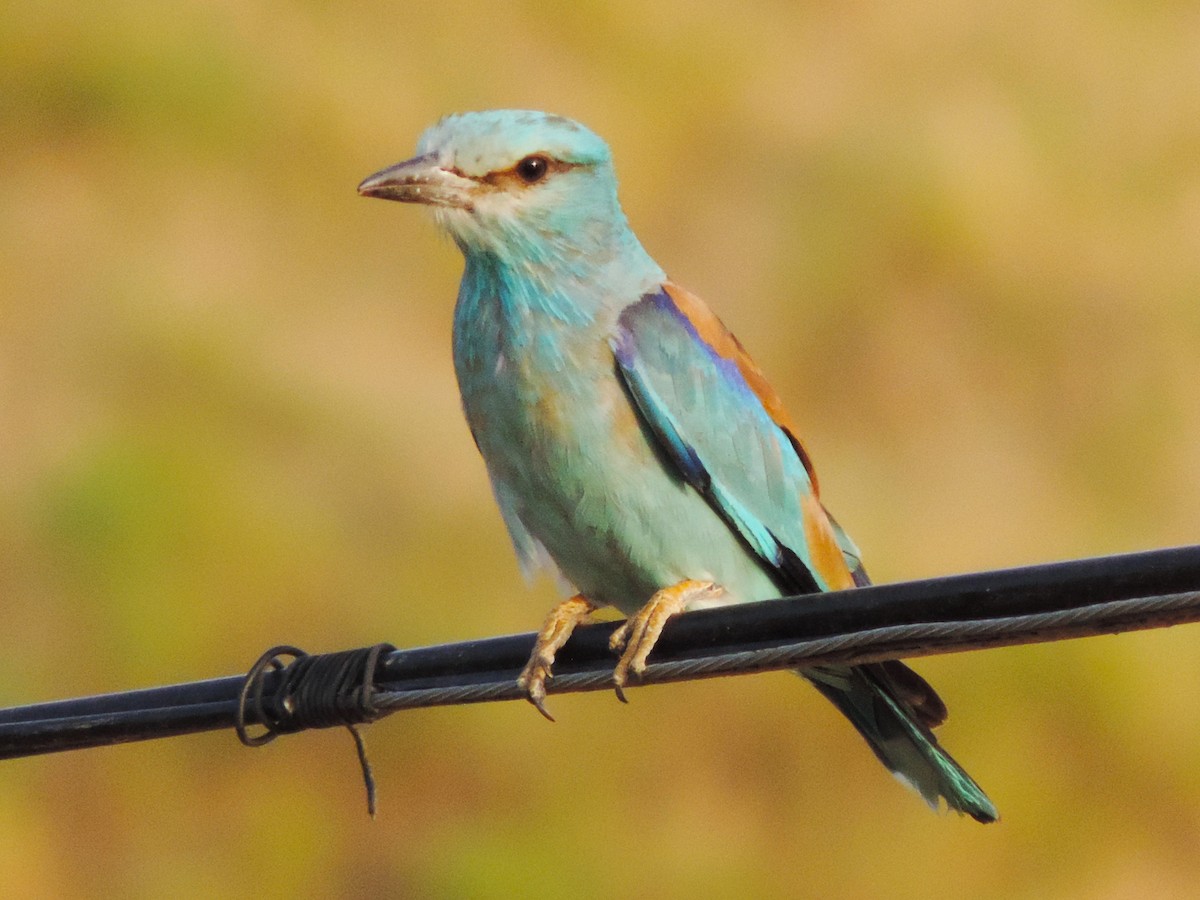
x,y
419,180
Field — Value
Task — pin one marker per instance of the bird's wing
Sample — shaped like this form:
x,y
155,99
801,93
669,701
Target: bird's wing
x,y
850,553
714,416
717,419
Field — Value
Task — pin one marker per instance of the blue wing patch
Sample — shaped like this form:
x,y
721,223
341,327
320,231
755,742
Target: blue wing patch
x,y
711,424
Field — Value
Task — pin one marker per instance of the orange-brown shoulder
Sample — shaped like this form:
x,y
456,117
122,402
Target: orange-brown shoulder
x,y
714,333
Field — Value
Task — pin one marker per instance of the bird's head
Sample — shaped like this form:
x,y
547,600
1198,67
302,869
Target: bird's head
x,y
512,182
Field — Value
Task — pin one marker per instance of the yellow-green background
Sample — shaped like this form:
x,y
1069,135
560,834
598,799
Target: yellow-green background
x,y
964,240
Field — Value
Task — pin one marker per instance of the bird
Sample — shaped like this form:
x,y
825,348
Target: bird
x,y
634,448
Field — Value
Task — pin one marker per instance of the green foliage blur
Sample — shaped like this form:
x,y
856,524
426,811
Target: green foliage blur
x,y
963,239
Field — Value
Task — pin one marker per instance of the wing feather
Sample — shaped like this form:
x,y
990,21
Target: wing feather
x,y
726,430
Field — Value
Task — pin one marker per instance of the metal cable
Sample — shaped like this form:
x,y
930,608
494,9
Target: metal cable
x,y
861,646
1045,602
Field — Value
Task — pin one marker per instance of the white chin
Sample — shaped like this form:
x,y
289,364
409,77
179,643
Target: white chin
x,y
457,222
465,227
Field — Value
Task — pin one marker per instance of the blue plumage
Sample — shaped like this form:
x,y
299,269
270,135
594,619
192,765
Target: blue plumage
x,y
631,442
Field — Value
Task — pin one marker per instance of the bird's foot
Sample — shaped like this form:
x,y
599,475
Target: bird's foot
x,y
555,632
638,635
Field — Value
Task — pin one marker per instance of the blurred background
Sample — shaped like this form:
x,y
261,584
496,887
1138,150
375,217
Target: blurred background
x,y
963,240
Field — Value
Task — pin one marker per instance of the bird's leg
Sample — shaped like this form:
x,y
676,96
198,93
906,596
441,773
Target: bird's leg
x,y
640,632
557,628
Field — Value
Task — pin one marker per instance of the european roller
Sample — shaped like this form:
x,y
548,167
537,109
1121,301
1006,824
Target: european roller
x,y
632,444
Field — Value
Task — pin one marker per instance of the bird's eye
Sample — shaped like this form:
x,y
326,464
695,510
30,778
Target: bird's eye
x,y
532,169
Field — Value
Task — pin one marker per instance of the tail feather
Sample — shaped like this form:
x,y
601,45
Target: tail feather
x,y
895,709
900,735
913,691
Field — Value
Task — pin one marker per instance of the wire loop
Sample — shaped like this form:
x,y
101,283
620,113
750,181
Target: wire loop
x,y
313,691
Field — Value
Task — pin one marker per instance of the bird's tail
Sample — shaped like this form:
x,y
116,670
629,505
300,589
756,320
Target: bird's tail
x,y
895,710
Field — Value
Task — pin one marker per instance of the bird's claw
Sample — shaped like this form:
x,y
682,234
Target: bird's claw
x,y
638,634
555,632
616,643
532,681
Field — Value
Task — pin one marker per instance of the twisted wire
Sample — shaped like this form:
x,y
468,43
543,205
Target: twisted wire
x,y
861,646
1046,602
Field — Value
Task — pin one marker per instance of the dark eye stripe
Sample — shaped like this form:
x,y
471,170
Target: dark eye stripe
x,y
503,178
